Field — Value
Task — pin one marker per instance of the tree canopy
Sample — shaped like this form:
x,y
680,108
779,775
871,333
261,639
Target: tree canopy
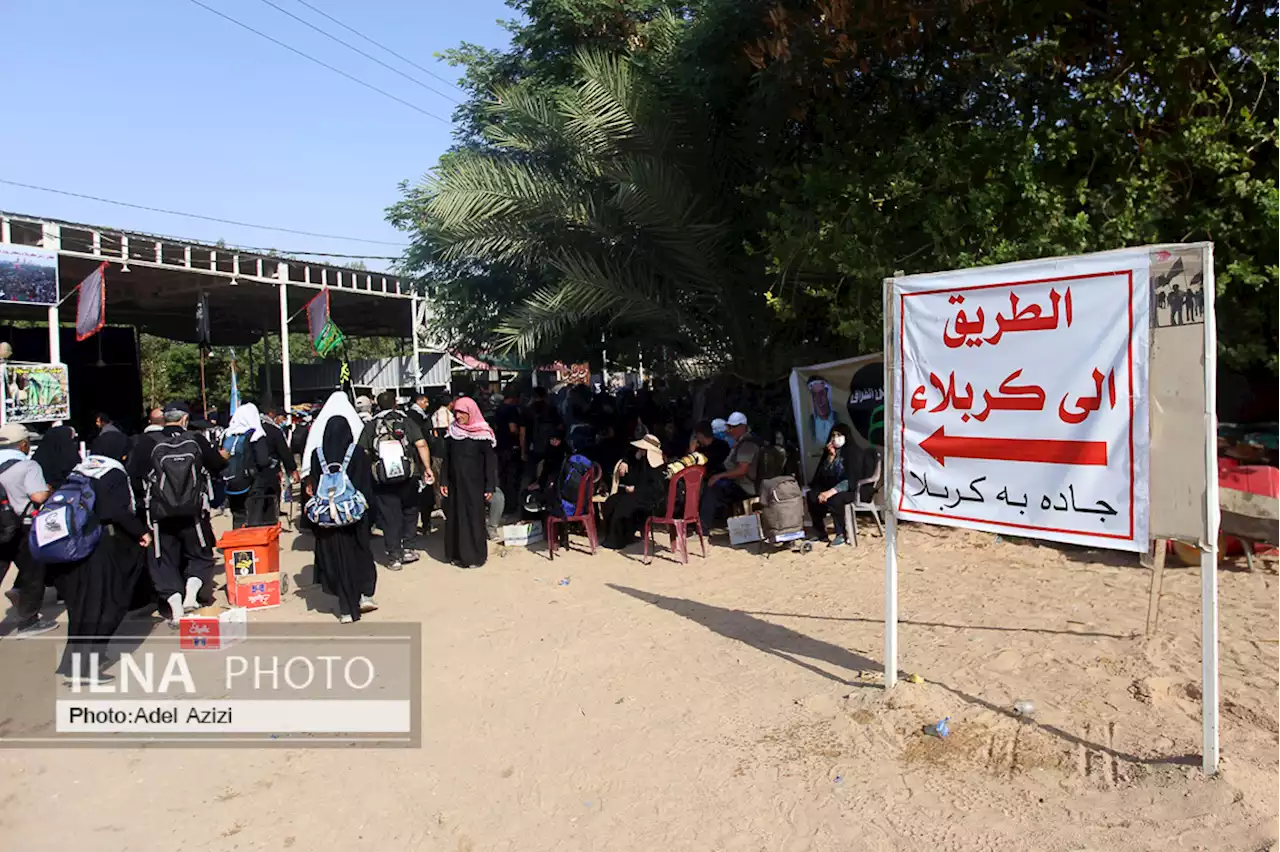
x,y
664,170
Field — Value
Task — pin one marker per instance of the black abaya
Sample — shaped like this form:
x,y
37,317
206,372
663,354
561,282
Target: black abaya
x,y
344,555
469,469
625,511
99,589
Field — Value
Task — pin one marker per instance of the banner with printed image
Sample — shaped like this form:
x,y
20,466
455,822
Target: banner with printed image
x,y
35,393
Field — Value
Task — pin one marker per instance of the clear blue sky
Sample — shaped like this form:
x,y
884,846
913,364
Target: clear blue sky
x,y
162,103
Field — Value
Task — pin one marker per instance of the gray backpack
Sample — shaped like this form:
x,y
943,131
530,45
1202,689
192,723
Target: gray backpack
x,y
781,507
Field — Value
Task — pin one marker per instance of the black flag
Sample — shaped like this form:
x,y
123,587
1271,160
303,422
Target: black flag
x,y
203,337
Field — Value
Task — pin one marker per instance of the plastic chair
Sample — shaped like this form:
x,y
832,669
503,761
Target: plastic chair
x,y
692,479
852,509
583,513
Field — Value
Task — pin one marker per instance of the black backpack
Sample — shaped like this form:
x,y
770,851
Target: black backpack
x,y
10,521
388,429
177,486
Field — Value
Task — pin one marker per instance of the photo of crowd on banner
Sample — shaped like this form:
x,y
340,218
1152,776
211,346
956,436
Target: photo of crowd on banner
x,y
28,275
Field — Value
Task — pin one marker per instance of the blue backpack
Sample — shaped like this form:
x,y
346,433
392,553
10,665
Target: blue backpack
x,y
66,528
337,502
576,468
238,475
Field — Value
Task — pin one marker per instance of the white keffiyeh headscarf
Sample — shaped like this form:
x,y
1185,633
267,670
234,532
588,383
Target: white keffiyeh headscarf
x,y
338,405
246,421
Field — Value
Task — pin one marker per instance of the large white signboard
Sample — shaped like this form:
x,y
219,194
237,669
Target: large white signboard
x,y
1021,397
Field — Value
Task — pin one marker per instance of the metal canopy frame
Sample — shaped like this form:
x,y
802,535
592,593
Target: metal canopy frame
x,y
154,282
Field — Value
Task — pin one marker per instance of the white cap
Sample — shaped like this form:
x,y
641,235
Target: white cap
x,y
13,434
719,424
737,418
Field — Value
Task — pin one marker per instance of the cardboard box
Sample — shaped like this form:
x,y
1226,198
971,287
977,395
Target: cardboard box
x,y
212,628
522,535
256,591
744,529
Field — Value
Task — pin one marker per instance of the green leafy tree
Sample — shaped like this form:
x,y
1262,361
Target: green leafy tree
x,y
612,203
959,134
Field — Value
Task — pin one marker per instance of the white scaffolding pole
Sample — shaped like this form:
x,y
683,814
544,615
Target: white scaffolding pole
x,y
414,326
1209,556
285,376
52,239
891,356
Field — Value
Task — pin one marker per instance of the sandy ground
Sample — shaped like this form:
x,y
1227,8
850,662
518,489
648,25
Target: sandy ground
x,y
736,704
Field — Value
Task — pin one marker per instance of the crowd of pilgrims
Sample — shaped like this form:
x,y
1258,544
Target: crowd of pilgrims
x,y
483,462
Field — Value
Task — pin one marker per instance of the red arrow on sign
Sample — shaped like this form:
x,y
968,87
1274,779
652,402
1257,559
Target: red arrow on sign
x,y
940,446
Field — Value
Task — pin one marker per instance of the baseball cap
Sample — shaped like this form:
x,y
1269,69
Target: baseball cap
x,y
13,434
737,418
363,403
177,405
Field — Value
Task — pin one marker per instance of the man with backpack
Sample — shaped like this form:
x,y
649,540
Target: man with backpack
x,y
22,488
177,465
401,459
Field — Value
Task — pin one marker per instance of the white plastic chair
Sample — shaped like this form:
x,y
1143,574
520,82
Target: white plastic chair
x,y
851,510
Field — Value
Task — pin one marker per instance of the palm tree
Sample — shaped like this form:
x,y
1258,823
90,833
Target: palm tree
x,y
613,202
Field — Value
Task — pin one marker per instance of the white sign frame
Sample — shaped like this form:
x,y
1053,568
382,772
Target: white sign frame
x,y
1209,559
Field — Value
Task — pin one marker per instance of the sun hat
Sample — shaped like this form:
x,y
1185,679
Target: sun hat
x,y
652,448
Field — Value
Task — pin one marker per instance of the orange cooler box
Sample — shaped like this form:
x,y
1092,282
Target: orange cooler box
x,y
248,551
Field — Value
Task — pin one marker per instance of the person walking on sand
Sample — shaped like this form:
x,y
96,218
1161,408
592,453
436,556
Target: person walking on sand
x,y
344,564
248,476
468,480
399,457
99,588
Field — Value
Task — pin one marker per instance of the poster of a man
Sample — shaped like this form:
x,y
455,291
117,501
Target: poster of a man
x,y
35,393
29,274
822,416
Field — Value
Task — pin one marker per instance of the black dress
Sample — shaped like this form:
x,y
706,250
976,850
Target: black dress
x,y
469,469
250,509
344,564
625,511
99,589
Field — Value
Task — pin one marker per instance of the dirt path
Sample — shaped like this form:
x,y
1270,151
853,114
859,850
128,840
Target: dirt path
x,y
735,704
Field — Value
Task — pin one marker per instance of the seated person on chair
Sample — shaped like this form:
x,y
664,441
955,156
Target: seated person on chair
x,y
859,463
829,474
715,449
641,493
738,481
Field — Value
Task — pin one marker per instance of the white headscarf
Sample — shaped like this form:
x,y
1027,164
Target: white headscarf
x,y
338,405
246,421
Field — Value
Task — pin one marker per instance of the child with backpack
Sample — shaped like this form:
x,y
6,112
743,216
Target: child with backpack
x,y
338,479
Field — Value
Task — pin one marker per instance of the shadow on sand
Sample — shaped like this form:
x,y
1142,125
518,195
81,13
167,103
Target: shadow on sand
x,y
788,644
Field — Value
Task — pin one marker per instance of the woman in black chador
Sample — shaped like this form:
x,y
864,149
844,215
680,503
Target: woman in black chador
x,y
344,555
99,588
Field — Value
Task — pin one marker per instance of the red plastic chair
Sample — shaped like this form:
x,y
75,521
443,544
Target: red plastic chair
x,y
583,513
692,479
